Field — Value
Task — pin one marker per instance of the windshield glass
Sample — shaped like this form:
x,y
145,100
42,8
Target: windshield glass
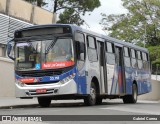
x,y
46,54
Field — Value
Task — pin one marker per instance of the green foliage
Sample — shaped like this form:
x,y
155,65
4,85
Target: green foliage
x,y
139,24
154,54
69,16
39,3
73,9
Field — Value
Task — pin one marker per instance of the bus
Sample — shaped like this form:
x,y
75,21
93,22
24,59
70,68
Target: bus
x,y
64,61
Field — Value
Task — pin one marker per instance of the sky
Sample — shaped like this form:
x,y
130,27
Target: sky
x,y
108,7
93,20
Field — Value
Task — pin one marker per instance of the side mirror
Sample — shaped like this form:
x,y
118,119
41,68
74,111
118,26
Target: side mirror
x,y
80,50
10,51
82,56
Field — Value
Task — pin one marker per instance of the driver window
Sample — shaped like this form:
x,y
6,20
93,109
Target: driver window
x,y
79,37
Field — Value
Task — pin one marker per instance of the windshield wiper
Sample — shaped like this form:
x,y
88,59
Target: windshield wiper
x,y
51,45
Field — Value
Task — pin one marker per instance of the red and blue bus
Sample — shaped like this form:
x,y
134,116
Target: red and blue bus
x,y
63,61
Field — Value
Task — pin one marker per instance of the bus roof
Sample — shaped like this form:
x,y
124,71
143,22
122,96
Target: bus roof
x,y
77,28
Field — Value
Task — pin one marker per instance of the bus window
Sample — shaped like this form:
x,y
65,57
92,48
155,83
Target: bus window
x,y
139,56
110,53
91,42
92,52
133,53
144,56
127,60
145,61
81,58
110,47
133,58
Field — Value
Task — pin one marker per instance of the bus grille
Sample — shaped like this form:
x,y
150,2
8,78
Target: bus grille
x,y
39,74
39,83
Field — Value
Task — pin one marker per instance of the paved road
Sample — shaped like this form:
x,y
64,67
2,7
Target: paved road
x,y
109,107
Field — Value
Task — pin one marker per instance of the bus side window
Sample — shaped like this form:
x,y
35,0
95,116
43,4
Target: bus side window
x,y
110,56
133,58
139,56
145,61
127,59
92,52
80,42
80,49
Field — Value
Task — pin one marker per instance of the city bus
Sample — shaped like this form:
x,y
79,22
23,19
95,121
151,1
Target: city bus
x,y
64,61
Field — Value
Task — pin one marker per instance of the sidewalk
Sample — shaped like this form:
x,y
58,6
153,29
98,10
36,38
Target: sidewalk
x,y
9,102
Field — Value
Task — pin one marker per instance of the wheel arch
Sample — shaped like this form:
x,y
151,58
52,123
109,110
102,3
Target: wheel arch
x,y
135,82
96,82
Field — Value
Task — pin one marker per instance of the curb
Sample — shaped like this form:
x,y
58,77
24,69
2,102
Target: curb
x,y
18,106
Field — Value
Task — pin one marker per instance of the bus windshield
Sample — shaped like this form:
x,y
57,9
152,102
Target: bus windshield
x,y
44,54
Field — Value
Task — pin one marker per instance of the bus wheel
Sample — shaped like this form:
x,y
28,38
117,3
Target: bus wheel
x,y
91,98
98,101
131,98
44,101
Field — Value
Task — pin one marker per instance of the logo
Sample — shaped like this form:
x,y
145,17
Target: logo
x,y
21,118
6,118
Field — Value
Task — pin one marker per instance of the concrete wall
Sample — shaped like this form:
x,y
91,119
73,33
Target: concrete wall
x,y
155,94
7,87
41,16
20,9
3,6
27,12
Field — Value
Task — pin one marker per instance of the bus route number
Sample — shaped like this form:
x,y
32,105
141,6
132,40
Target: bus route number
x,y
54,78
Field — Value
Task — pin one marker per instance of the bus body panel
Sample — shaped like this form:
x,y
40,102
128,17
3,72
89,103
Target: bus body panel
x,y
119,78
142,79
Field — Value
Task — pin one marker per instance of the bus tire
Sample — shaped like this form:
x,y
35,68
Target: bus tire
x,y
90,100
44,101
98,101
131,98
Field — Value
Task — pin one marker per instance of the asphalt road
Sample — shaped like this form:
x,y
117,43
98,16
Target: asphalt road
x,y
109,107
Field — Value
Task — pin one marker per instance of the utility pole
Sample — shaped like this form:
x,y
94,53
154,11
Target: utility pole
x,y
145,35
54,11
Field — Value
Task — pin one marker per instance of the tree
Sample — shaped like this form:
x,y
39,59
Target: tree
x,y
139,24
73,9
39,3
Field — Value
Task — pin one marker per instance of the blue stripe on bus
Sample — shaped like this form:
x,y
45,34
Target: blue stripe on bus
x,y
53,78
143,80
80,79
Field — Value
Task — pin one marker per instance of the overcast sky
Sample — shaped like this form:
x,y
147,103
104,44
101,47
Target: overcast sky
x,y
107,7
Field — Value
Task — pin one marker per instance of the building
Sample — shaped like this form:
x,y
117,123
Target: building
x,y
12,17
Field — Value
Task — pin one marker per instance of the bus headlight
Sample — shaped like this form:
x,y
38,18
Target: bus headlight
x,y
65,80
20,83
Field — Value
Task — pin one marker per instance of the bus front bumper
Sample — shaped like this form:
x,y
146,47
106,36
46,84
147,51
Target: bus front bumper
x,y
49,90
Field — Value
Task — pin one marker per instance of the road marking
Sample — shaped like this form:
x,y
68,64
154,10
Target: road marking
x,y
133,110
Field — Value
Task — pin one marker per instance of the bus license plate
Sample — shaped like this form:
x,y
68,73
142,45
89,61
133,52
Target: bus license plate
x,y
41,90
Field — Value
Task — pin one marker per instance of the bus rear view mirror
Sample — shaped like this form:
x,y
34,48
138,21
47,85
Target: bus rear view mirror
x,y
80,50
10,49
